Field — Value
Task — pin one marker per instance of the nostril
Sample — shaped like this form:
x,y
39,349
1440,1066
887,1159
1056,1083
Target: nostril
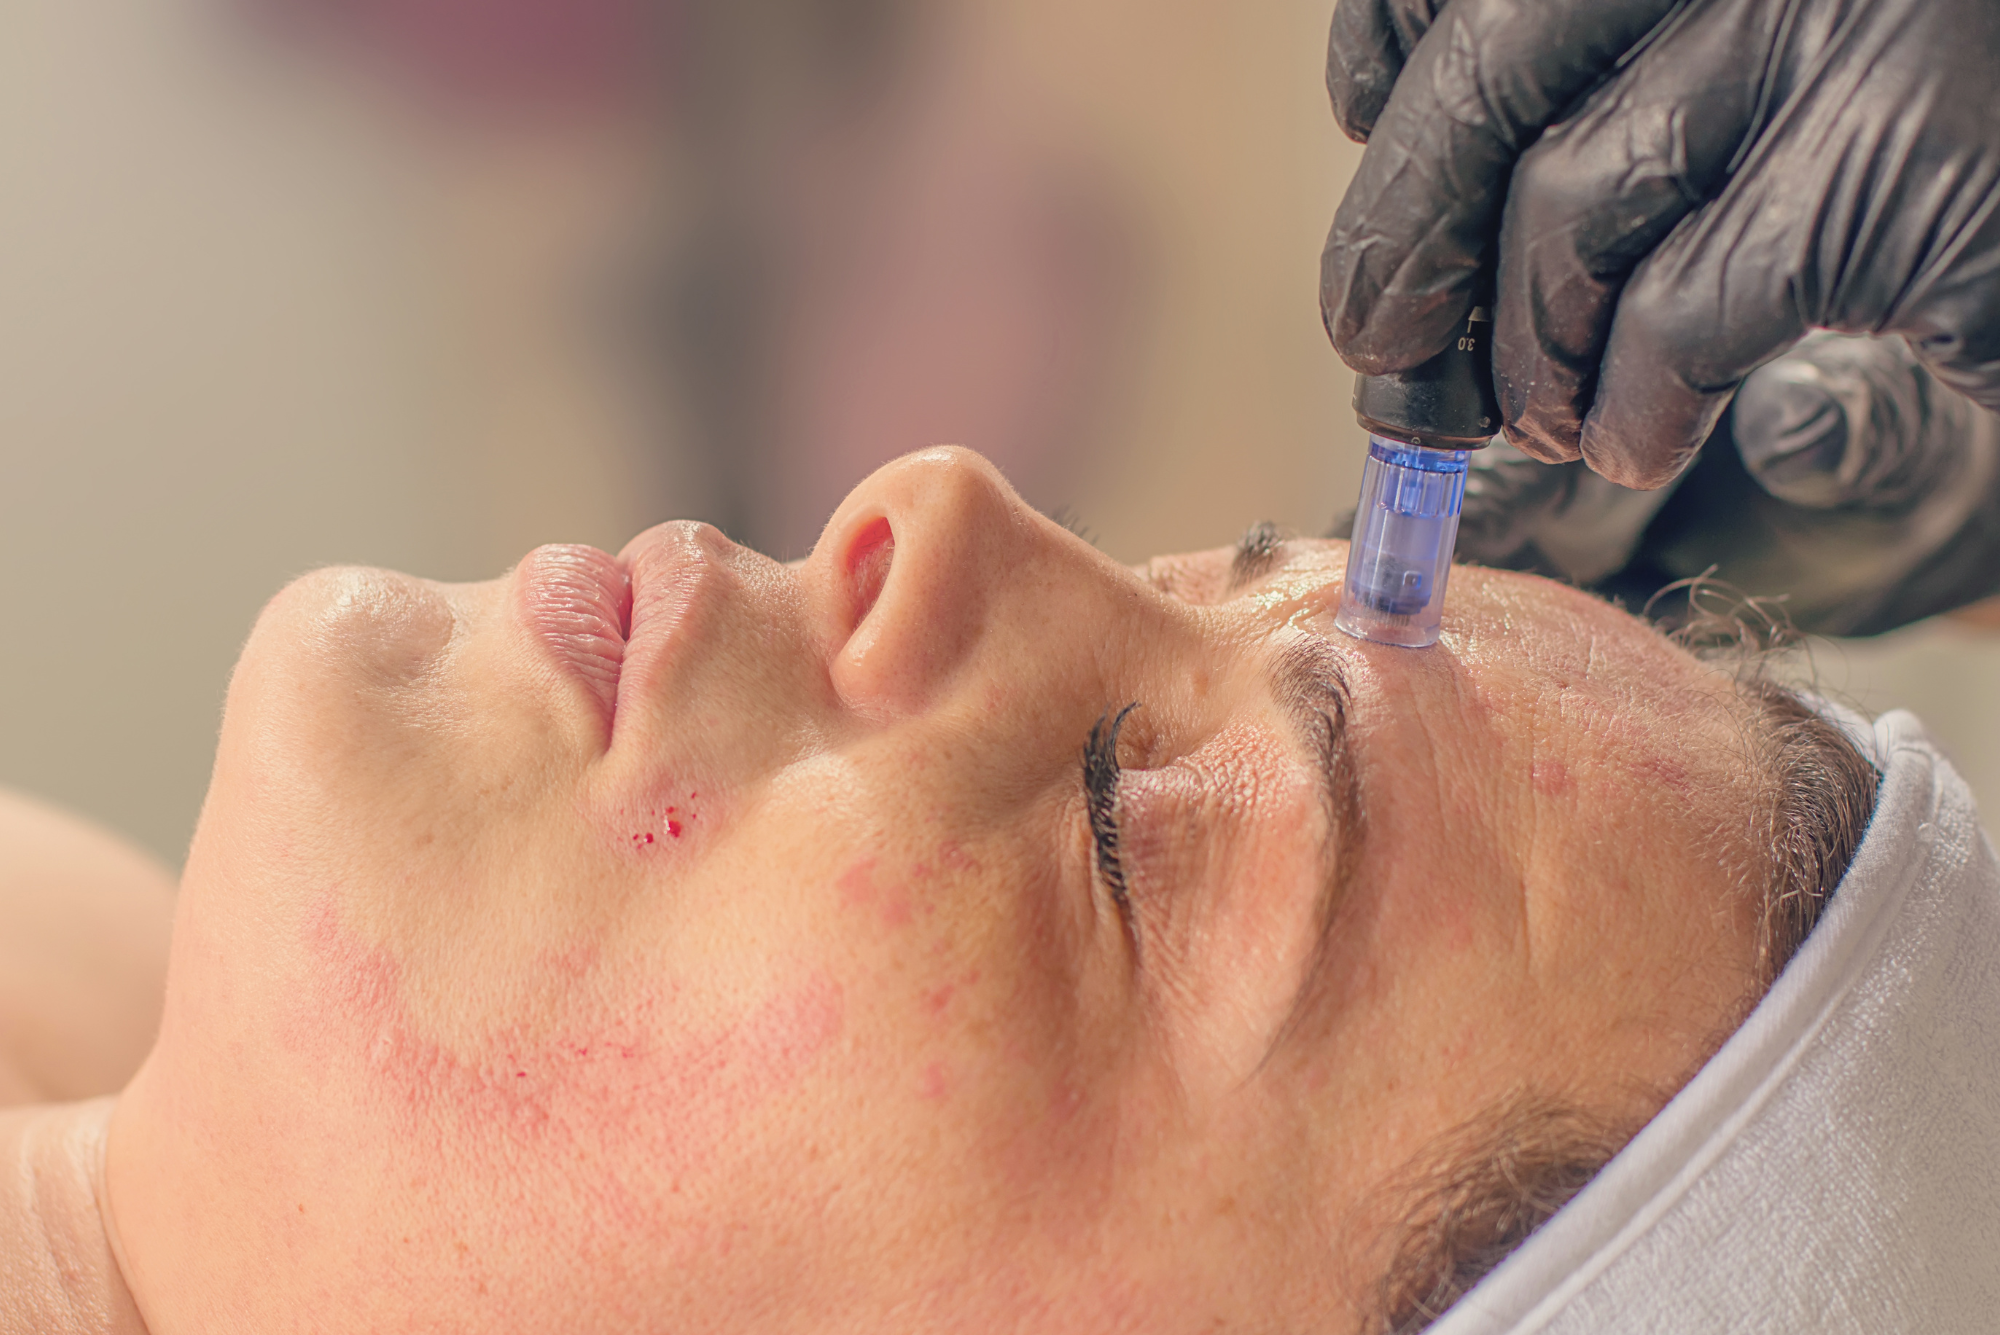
x,y
868,562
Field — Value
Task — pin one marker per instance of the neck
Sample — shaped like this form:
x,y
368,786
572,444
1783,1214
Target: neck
x,y
58,1275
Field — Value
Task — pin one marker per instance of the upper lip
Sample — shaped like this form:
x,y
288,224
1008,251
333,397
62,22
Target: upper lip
x,y
578,604
671,571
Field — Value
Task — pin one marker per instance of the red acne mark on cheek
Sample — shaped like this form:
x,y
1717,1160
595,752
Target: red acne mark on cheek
x,y
643,837
937,999
857,884
673,828
1552,778
858,888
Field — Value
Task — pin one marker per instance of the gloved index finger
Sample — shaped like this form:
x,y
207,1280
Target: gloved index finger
x,y
1365,51
1419,218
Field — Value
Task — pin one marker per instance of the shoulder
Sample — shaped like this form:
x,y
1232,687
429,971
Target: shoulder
x,y
84,923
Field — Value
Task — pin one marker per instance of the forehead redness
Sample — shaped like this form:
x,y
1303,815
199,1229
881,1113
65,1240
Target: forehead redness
x,y
1623,775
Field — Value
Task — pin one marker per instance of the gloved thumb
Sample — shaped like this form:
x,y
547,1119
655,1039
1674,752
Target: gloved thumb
x,y
1848,420
1850,483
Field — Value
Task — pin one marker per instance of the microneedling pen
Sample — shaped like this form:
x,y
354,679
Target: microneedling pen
x,y
1422,425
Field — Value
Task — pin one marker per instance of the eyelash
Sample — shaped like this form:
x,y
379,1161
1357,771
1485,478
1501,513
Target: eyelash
x,y
1100,788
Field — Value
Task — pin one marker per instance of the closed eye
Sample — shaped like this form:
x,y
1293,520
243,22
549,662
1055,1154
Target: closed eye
x,y
1100,788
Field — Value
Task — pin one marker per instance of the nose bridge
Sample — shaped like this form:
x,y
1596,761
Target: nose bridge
x,y
961,548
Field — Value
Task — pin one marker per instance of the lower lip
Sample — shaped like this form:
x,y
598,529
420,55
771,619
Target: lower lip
x,y
578,602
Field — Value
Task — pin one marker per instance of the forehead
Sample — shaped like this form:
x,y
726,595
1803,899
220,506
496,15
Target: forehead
x,y
1486,602
1549,658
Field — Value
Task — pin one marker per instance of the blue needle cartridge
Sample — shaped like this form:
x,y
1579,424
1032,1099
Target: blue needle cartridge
x,y
1422,424
1404,529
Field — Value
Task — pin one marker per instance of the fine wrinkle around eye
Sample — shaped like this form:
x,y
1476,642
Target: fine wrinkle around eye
x,y
1223,852
1180,817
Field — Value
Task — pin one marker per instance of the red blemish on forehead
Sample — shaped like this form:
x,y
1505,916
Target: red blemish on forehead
x,y
1661,772
1452,920
1552,778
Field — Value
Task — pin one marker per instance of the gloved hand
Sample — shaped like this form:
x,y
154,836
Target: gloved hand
x,y
1845,480
1688,186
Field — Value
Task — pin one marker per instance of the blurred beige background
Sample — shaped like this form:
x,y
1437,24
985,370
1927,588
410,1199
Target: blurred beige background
x,y
251,323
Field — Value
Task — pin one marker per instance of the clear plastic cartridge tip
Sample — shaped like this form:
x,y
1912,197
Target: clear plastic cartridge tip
x,y
1404,529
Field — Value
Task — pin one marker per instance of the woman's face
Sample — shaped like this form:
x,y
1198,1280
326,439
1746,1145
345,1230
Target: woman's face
x,y
688,941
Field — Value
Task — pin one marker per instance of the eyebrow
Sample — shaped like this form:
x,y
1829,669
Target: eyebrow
x,y
1312,689
1256,551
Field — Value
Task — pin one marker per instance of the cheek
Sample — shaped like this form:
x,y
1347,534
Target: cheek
x,y
970,1018
631,1092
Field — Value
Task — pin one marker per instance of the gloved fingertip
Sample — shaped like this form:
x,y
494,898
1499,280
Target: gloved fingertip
x,y
1364,359
1356,108
1380,337
1362,62
1636,470
1538,444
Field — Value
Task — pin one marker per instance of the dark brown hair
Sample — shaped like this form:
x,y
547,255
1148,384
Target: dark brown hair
x,y
1482,1190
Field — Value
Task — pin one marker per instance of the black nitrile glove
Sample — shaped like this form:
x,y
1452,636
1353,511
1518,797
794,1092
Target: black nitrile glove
x,y
1845,481
1688,188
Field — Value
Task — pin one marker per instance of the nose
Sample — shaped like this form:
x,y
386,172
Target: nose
x,y
910,570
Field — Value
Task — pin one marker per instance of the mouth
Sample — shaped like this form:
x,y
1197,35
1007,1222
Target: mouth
x,y
621,626
578,602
